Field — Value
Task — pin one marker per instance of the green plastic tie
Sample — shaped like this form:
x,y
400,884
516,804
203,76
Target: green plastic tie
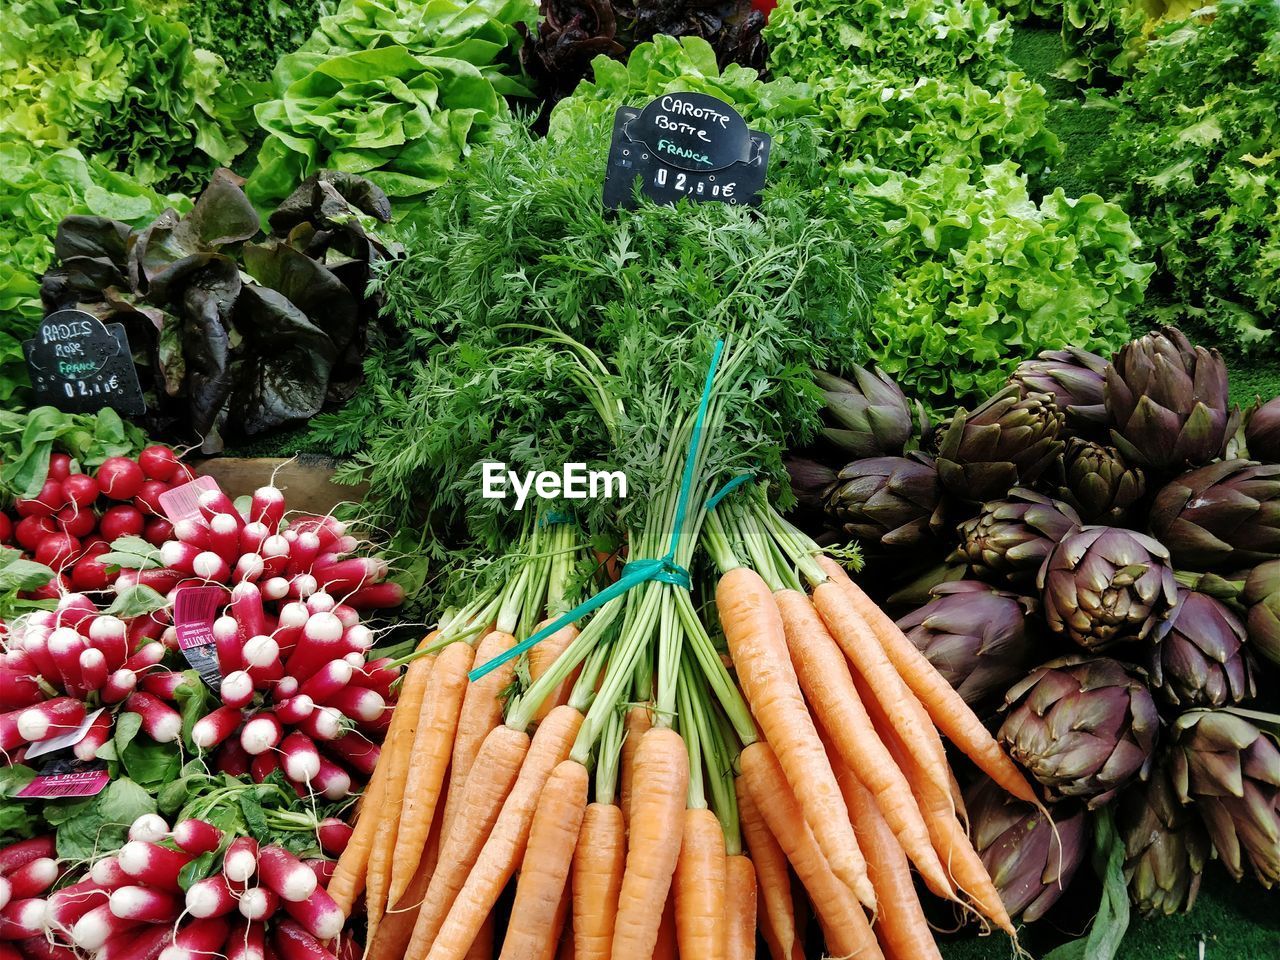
x,y
728,488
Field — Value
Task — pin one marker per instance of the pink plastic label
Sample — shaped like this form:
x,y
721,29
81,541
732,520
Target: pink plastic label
x,y
68,777
194,610
183,503
68,739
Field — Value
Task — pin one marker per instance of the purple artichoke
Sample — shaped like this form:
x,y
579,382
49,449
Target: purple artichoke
x,y
1101,585
1225,515
1075,378
1167,400
977,637
1008,440
1030,860
1262,433
1165,846
870,417
1009,539
1261,597
1083,727
1098,483
1231,770
1200,658
890,501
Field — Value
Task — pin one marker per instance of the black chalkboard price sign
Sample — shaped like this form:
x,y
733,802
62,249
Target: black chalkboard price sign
x,y
80,365
685,146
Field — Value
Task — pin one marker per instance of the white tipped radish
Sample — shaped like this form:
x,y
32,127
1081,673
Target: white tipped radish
x,y
321,602
209,566
160,722
355,751
227,641
107,873
284,688
355,659
197,836
284,873
10,738
14,855
74,608
119,685
260,651
358,638
163,684
99,732
214,501
352,574
109,634
334,835
248,942
293,942
276,547
64,907
304,552
301,758
6,892
302,585
326,681
211,897
358,703
144,904
240,862
170,639
274,588
224,536
379,596
323,723
49,719
152,864
65,646
348,615
180,556
149,828
331,781
321,642
199,940
261,733
267,507
248,569
23,919
253,536
32,879
258,903
213,728
140,943
236,689
98,926
147,655
319,914
192,531
292,710
93,668
264,765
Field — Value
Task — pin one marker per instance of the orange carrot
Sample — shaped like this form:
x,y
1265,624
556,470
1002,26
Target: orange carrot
x,y
542,656
598,863
845,925
657,800
432,747
945,706
347,882
481,712
553,835
665,948
699,885
495,771
506,844
562,939
393,933
777,920
639,720
758,645
740,909
901,925
827,685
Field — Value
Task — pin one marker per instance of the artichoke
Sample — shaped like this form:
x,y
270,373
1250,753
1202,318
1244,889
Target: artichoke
x,y
977,637
1101,585
1075,378
1030,860
1261,597
1083,728
870,417
1231,770
1010,538
891,501
1167,401
1098,482
1200,659
1165,846
1225,514
1008,440
1262,433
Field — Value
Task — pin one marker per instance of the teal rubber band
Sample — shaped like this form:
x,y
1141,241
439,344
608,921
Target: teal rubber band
x,y
727,489
664,569
553,517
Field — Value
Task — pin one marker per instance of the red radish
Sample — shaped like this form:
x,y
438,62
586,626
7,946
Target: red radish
x,y
323,723
144,904
320,643
80,489
65,646
119,685
232,760
209,566
246,608
158,463
267,507
99,925
147,499
197,836
224,536
228,641
349,616
321,603
323,869
60,465
149,828
263,765
141,943
358,639
214,501
258,903
10,737
304,553
164,684
39,948
334,835
248,569
274,588
64,907
284,873
57,550
211,897
303,585
93,668
90,574
379,596
32,879
74,609
148,655
355,751
20,919
260,652
347,575
153,864
211,729
179,555
236,689
358,703
160,579
35,644
123,520
160,722
261,733
46,503
326,681
50,718
252,537
98,734
241,860
292,942
184,474
32,530
120,478
247,942
158,531
76,521
319,914
106,871
193,531
332,781
199,940
18,688
285,687
57,586
292,710
301,758
6,528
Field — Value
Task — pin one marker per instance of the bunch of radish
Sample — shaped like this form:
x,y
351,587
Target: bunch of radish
x,y
60,665
75,516
28,869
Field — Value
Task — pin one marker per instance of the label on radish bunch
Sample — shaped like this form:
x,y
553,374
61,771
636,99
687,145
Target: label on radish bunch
x,y
68,739
194,610
80,365
67,777
183,503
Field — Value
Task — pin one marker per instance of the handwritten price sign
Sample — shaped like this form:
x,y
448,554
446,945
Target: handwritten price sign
x,y
79,364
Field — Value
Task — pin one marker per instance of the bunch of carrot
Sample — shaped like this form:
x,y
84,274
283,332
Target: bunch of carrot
x,y
630,792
